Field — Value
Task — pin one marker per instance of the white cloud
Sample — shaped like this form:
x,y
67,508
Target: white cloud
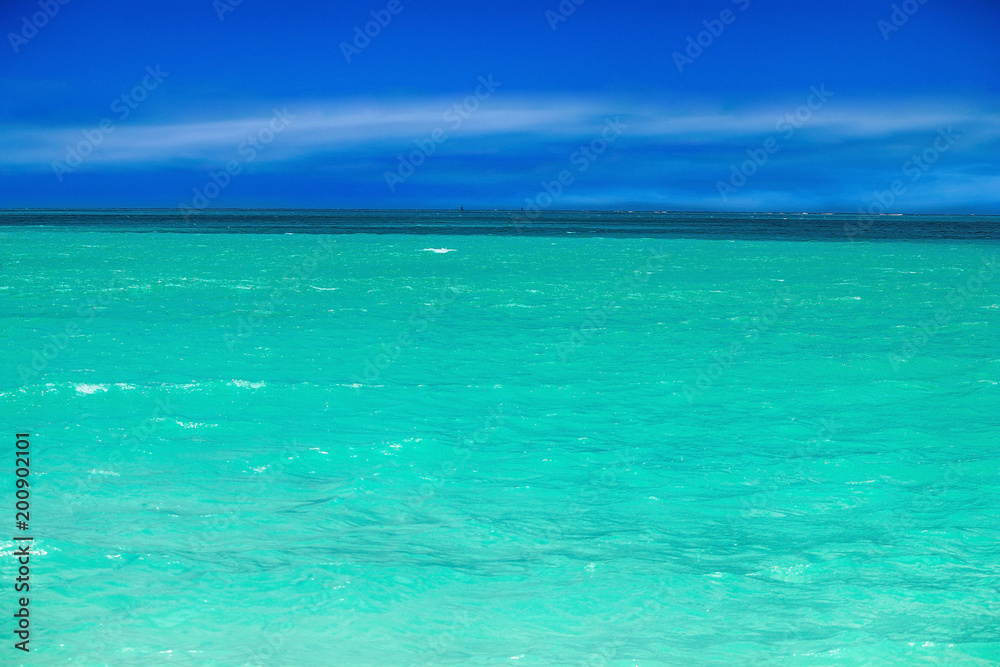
x,y
522,125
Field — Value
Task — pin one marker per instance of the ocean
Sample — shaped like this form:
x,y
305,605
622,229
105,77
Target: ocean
x,y
502,438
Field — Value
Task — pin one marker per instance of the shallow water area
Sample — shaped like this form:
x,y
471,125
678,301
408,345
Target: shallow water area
x,y
626,448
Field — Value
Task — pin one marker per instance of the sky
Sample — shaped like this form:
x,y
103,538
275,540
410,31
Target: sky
x,y
728,105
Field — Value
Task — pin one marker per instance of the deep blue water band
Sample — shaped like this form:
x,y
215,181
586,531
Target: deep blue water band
x,y
742,226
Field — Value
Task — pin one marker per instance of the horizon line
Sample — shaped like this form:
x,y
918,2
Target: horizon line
x,y
483,210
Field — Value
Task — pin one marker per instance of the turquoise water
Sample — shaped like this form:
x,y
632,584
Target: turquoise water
x,y
308,449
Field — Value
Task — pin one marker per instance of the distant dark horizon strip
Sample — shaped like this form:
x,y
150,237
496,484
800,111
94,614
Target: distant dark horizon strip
x,y
613,224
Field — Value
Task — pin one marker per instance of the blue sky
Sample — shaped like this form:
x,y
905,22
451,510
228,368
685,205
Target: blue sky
x,y
783,105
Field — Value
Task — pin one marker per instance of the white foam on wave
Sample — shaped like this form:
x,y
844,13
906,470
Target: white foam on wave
x,y
90,388
245,384
324,289
31,551
439,250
